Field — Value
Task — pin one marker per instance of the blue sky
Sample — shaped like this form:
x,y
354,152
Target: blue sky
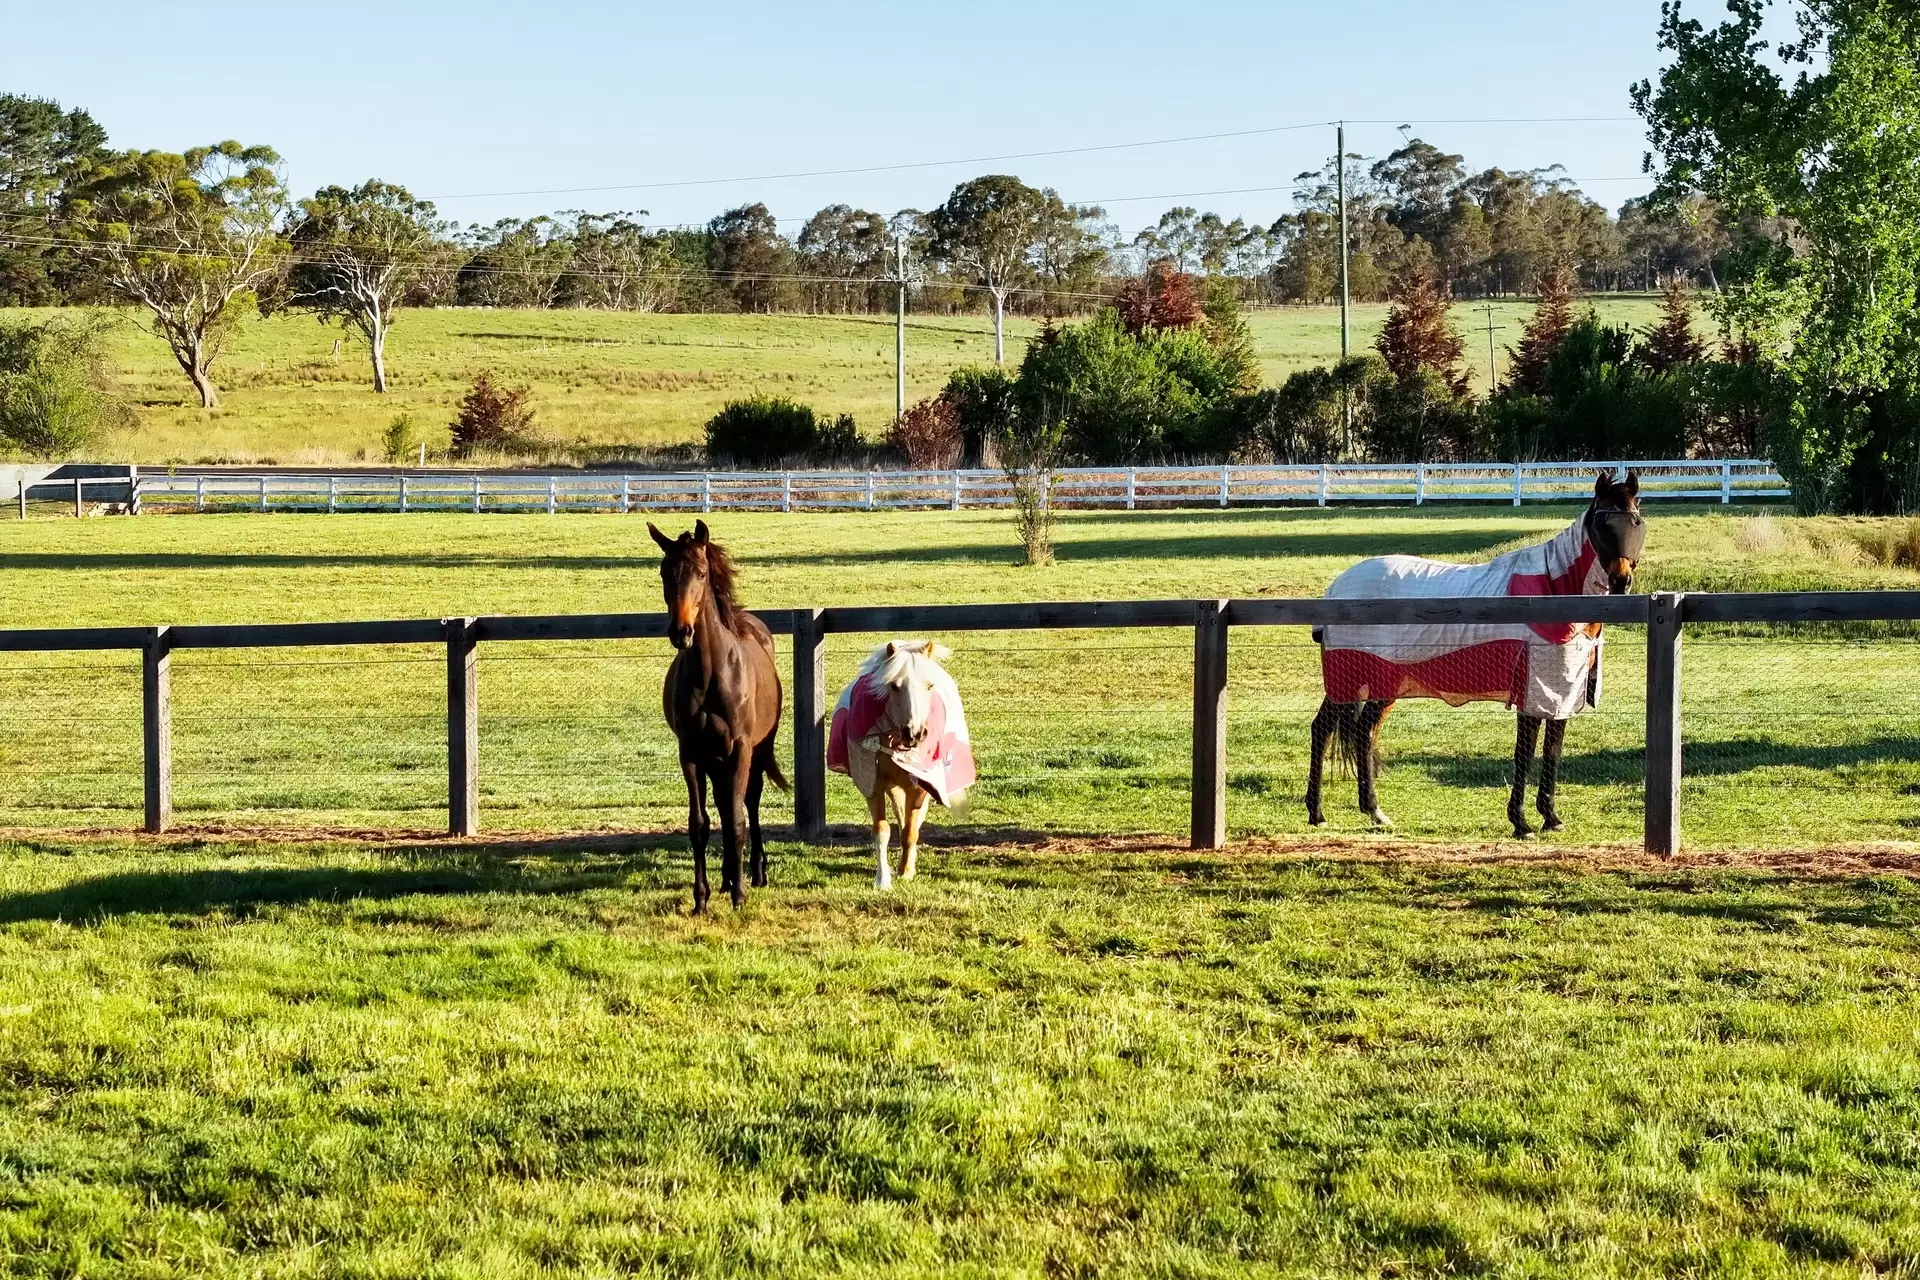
x,y
457,101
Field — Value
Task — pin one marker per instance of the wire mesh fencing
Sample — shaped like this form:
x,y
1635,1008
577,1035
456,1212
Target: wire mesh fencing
x,y
1445,771
1801,736
70,743
1084,731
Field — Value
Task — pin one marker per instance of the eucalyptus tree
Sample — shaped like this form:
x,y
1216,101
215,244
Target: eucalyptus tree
x,y
988,230
194,238
362,254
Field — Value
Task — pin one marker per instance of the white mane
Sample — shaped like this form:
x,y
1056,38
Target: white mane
x,y
915,660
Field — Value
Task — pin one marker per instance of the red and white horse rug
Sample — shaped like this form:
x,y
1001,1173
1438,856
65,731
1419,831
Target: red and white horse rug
x,y
1548,670
903,688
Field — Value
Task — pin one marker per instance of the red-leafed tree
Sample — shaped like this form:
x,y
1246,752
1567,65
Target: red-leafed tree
x,y
1419,336
1163,298
1544,332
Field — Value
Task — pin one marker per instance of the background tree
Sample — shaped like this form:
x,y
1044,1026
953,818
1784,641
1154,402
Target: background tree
x,y
1823,132
516,262
44,153
987,230
1672,342
616,264
844,249
193,238
362,254
1544,331
1418,336
748,255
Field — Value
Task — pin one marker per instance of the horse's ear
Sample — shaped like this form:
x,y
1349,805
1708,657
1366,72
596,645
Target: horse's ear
x,y
700,531
666,543
892,648
937,651
1602,484
1631,485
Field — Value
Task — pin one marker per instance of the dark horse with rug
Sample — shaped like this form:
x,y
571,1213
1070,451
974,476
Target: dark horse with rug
x,y
1547,672
722,701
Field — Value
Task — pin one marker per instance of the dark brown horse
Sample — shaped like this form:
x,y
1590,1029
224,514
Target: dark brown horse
x,y
1544,680
722,700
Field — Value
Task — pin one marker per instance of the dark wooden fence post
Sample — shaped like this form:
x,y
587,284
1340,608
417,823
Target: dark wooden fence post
x,y
156,727
1663,724
463,726
1210,725
809,725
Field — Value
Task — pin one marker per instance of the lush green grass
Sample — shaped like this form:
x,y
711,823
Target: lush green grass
x,y
343,1060
232,1052
612,383
1793,739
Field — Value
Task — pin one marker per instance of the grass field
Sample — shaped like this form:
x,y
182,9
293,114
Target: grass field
x,y
275,1043
607,384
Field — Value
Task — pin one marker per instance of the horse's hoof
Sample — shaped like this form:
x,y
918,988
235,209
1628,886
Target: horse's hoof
x,y
1522,833
1381,820
1552,824
884,886
1316,820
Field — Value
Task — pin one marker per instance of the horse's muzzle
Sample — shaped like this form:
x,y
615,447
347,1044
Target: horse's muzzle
x,y
680,635
1620,584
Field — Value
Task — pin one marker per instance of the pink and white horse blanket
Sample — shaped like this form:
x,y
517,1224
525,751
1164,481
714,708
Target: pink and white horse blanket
x,y
942,763
1550,670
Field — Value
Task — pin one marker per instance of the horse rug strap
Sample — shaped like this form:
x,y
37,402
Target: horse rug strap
x,y
1550,670
943,763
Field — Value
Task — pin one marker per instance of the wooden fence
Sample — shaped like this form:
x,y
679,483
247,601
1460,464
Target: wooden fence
x,y
1211,621
1129,488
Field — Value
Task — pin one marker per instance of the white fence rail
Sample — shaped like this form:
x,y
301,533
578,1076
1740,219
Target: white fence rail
x,y
1724,481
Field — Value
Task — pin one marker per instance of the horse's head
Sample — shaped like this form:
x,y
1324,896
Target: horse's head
x,y
906,670
693,571
1616,529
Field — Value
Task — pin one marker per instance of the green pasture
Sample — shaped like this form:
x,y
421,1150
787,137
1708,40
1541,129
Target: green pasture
x,y
304,1036
1793,738
609,384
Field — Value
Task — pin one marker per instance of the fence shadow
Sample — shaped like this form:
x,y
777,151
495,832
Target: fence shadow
x,y
543,867
1627,766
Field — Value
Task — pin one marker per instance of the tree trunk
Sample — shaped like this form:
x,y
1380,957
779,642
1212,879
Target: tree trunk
x,y
999,327
193,362
377,344
203,383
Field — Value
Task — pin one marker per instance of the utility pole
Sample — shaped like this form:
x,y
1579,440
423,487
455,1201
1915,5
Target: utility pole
x,y
1340,172
900,328
1493,376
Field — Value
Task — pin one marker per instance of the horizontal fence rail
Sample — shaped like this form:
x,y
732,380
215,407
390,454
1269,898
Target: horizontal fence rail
x,y
1211,622
1131,488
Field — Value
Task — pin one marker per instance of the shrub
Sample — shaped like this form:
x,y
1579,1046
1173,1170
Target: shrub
x,y
493,416
984,402
399,440
765,429
56,389
836,440
928,435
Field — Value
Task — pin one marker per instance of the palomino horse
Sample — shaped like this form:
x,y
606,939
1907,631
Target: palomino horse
x,y
1546,672
899,732
722,700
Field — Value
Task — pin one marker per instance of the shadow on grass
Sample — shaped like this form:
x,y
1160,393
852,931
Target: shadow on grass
x,y
558,866
1627,766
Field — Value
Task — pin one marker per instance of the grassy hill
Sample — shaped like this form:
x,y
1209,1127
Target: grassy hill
x,y
613,382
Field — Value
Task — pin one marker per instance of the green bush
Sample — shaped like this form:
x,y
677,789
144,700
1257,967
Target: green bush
x,y
984,401
56,391
1166,393
767,430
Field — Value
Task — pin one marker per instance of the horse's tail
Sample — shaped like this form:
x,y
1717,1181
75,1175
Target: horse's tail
x,y
770,765
1356,735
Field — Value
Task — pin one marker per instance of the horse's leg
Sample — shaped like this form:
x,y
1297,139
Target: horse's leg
x,y
733,821
877,810
918,798
756,784
1526,736
1324,723
698,829
1550,774
1366,756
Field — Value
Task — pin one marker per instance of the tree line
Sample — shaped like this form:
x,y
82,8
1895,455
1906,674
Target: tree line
x,y
198,237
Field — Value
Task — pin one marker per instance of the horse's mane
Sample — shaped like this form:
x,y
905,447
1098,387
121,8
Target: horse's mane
x,y
882,667
721,578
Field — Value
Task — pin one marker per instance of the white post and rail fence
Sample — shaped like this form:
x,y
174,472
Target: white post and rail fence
x,y
1725,481
1212,622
